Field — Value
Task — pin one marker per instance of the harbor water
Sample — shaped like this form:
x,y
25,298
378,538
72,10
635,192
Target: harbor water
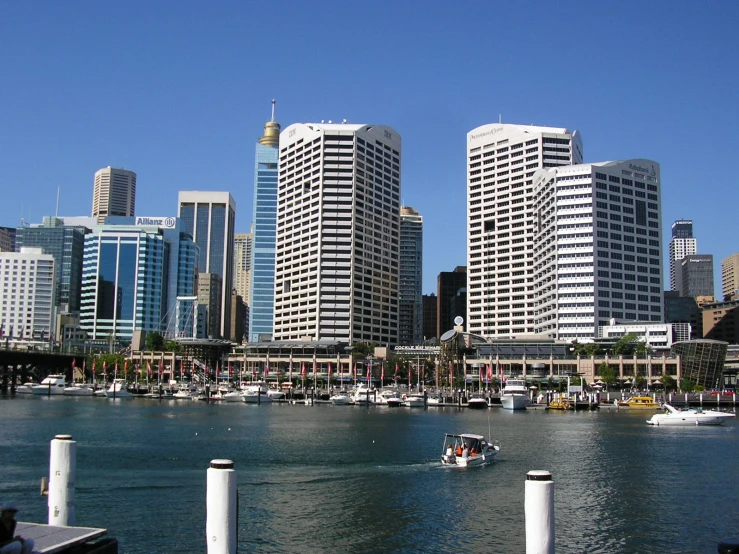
x,y
357,479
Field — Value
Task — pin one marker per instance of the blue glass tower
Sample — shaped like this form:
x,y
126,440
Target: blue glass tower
x,y
262,290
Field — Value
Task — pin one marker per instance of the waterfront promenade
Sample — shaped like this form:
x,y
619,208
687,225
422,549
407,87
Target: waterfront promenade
x,y
320,478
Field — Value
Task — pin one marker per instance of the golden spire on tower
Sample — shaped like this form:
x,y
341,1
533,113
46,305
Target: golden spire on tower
x,y
271,130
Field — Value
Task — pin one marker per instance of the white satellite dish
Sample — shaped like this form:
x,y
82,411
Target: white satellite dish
x,y
458,320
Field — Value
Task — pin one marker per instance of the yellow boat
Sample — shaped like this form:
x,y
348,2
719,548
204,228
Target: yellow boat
x,y
640,402
560,403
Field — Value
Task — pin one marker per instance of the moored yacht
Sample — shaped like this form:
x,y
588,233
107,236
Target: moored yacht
x,y
414,400
341,398
79,389
477,403
689,417
118,389
515,395
53,384
255,392
364,394
25,388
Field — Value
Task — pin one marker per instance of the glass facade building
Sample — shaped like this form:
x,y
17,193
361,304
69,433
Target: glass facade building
x,y
210,218
262,290
66,244
702,361
132,275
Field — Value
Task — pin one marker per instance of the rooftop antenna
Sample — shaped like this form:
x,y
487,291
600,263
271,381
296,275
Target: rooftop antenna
x,y
273,109
58,192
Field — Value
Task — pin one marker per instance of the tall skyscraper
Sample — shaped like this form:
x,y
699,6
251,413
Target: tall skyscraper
x,y
27,290
696,275
114,193
429,316
501,161
338,231
67,245
261,295
242,264
210,288
596,247
682,244
451,300
210,217
730,276
410,305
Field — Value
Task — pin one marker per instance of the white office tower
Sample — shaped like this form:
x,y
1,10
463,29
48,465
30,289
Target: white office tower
x,y
242,263
338,226
682,244
114,193
596,247
27,291
501,161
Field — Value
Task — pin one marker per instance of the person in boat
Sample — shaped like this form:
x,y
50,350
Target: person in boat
x,y
459,450
10,543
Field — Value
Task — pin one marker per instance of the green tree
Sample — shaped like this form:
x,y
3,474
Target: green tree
x,y
687,385
626,345
172,346
154,341
591,349
607,374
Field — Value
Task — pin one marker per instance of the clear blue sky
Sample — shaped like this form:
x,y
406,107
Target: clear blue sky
x,y
179,92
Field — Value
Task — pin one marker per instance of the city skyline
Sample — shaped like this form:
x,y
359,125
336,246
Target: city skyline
x,y
193,126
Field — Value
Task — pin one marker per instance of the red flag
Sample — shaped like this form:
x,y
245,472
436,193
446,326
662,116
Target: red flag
x,y
230,370
93,368
355,371
266,370
397,370
125,368
490,373
161,368
254,373
382,374
105,367
369,373
148,368
302,371
115,371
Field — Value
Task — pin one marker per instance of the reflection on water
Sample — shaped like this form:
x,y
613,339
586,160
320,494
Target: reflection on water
x,y
368,479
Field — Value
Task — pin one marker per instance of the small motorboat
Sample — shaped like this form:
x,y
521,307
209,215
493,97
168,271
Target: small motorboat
x,y
341,399
467,450
689,417
255,393
414,401
118,389
365,395
639,402
226,394
561,403
477,403
433,401
275,394
25,388
79,389
390,397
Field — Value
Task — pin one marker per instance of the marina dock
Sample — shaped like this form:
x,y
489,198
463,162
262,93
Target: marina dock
x,y
80,540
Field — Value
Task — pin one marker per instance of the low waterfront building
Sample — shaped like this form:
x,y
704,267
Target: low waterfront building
x,y
721,321
658,336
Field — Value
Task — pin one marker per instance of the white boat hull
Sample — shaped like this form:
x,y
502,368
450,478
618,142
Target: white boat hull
x,y
44,390
689,418
471,461
394,402
254,398
341,400
414,402
26,388
514,401
79,391
477,403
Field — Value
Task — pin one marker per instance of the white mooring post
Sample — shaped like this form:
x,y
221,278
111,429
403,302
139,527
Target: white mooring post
x,y
539,512
62,471
221,504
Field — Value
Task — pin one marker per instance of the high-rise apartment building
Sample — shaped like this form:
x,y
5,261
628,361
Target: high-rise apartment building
x,y
730,276
261,297
695,275
209,217
338,233
596,247
7,239
501,161
114,193
67,245
132,273
27,294
242,264
451,299
682,244
410,291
